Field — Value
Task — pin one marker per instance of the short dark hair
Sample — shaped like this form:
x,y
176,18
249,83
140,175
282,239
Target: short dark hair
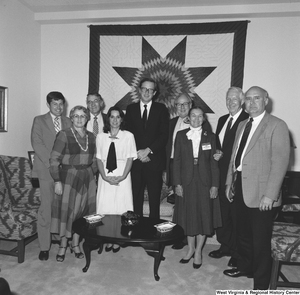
x,y
147,79
106,127
98,96
55,95
198,108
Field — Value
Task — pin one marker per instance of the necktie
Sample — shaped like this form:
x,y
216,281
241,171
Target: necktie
x,y
243,143
95,126
145,116
56,124
111,162
227,129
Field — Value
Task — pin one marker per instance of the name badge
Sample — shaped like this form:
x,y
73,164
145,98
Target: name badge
x,y
206,146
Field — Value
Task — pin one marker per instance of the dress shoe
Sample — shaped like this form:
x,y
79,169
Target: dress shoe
x,y
44,255
178,246
235,273
115,250
218,254
184,261
232,262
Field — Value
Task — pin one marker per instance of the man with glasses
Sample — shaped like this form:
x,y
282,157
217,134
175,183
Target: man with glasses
x,y
96,105
183,104
149,123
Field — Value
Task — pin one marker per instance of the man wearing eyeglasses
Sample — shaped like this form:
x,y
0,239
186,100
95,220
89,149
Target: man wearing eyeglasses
x,y
183,104
96,105
149,123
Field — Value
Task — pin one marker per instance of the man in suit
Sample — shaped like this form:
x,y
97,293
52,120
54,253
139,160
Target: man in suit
x,y
257,167
226,235
149,123
96,105
43,134
183,104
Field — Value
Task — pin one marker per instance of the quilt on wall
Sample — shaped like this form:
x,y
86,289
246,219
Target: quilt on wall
x,y
203,60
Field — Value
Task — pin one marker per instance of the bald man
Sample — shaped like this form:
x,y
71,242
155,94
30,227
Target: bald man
x,y
257,167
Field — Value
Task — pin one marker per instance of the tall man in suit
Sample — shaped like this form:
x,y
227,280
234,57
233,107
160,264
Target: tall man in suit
x,y
96,105
226,235
43,134
149,123
257,167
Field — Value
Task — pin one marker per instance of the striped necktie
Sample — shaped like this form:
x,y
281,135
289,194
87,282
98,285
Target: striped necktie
x,y
95,126
56,124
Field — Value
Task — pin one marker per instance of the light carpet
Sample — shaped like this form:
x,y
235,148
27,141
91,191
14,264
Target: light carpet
x,y
130,271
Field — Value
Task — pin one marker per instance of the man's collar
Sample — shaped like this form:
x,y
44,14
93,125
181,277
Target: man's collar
x,y
237,114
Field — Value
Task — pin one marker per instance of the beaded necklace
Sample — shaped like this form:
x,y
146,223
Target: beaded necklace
x,y
86,145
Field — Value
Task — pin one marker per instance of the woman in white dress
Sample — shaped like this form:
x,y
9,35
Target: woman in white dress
x,y
116,151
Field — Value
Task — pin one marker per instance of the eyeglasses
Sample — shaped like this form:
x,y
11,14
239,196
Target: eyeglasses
x,y
79,117
180,105
145,90
93,101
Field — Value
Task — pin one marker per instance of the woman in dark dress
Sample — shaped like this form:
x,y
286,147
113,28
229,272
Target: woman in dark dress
x,y
72,166
196,180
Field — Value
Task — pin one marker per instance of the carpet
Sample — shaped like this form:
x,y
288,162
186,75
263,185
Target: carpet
x,y
130,271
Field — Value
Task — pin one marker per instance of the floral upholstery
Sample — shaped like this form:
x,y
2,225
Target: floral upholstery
x,y
285,235
19,201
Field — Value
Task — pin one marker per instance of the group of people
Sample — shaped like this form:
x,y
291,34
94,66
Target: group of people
x,y
95,162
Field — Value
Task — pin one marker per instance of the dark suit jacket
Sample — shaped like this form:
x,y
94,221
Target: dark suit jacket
x,y
226,148
265,161
155,136
183,160
42,140
172,125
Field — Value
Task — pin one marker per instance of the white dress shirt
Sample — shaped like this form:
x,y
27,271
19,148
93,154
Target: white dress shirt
x,y
222,132
255,124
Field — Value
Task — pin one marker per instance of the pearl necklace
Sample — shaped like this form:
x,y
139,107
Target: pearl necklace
x,y
86,145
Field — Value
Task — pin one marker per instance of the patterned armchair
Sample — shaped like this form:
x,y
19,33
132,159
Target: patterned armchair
x,y
19,203
290,211
285,250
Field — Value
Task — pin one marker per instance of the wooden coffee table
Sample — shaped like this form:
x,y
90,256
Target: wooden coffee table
x,y
112,231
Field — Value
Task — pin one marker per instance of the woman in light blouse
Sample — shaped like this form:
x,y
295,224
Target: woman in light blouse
x,y
196,180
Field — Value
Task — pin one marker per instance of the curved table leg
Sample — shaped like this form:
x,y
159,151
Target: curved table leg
x,y
87,248
156,251
87,253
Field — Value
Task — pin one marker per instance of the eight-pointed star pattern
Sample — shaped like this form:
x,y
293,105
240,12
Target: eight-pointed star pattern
x,y
170,74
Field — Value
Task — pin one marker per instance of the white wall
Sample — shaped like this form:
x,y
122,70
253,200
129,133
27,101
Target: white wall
x,y
272,62
20,72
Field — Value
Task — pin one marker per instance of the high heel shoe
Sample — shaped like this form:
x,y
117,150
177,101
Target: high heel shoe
x,y
108,248
115,250
61,258
78,255
184,261
196,266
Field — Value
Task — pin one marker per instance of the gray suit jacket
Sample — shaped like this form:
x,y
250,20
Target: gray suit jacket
x,y
265,161
43,136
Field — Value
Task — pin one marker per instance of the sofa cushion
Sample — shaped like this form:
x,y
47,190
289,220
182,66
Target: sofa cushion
x,y
5,195
19,175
